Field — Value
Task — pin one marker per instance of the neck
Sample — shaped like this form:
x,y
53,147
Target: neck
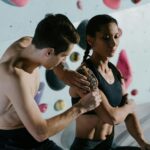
x,y
25,64
25,60
100,62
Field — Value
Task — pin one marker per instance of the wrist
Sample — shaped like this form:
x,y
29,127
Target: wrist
x,y
82,108
60,71
64,66
78,109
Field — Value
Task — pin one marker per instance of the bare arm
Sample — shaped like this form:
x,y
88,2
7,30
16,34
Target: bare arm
x,y
72,78
111,115
118,114
114,115
31,117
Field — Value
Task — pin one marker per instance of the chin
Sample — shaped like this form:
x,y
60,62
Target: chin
x,y
111,55
49,68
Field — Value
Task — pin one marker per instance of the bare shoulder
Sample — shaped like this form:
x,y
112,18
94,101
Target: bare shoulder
x,y
24,41
16,47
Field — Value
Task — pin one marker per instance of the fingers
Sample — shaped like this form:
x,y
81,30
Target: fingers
x,y
81,80
78,75
81,84
80,91
82,88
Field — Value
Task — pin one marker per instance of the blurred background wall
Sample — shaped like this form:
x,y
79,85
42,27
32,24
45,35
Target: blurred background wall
x,y
19,18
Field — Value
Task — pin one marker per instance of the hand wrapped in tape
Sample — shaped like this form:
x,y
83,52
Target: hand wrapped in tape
x,y
90,76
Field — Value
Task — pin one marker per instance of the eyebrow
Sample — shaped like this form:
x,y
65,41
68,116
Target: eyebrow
x,y
110,33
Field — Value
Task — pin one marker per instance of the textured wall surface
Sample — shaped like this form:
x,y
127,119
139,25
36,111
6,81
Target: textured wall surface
x,y
134,20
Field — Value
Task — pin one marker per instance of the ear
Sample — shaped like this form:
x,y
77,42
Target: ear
x,y
120,31
49,51
90,40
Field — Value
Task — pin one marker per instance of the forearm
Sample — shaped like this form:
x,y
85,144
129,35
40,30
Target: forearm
x,y
115,115
59,71
59,122
123,110
86,103
134,128
49,127
119,114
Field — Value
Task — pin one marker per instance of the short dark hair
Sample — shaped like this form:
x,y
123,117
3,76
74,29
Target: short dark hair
x,y
55,31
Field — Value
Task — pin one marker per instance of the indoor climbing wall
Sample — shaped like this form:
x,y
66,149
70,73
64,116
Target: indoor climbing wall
x,y
20,17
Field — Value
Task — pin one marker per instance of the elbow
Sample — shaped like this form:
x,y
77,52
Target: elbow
x,y
110,120
116,117
40,137
117,120
113,120
41,133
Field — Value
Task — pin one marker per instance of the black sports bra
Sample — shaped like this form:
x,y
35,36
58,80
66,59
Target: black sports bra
x,y
113,92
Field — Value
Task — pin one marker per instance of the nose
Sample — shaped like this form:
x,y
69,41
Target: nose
x,y
112,42
64,60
